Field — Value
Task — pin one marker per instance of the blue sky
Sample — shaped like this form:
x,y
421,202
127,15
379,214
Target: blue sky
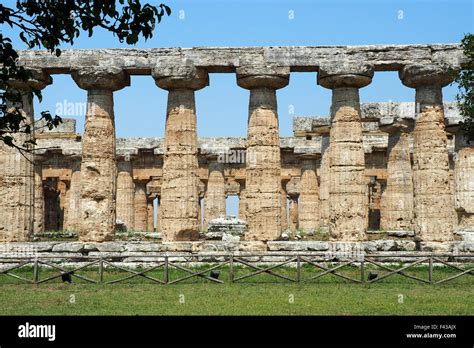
x,y
222,107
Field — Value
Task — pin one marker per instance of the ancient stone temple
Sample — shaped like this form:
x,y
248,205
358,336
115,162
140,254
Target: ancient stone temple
x,y
403,167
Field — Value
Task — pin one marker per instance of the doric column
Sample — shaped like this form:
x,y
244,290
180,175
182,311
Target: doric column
x,y
284,212
98,165
433,203
39,197
242,204
293,213
64,195
75,198
263,164
150,217
347,186
324,174
179,191
464,182
158,217
141,207
214,199
309,196
397,199
17,172
125,195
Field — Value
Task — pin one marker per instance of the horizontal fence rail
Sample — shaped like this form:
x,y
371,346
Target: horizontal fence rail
x,y
258,264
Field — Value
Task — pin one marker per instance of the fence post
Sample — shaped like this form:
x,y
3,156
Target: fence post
x,y
166,275
362,271
101,270
430,275
231,268
298,269
36,271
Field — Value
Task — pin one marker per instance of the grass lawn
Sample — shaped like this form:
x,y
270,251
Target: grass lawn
x,y
260,295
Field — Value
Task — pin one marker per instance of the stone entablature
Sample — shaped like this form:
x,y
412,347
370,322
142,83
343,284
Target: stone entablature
x,y
367,167
227,59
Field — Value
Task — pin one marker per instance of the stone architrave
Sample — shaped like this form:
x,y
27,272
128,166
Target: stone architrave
x,y
179,190
263,163
98,165
433,196
347,186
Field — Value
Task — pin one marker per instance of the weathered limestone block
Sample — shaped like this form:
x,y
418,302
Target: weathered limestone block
x,y
464,184
125,195
309,196
214,199
433,197
17,172
347,186
141,207
179,191
397,199
98,166
263,163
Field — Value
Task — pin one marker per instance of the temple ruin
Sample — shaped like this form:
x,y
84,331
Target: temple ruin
x,y
399,167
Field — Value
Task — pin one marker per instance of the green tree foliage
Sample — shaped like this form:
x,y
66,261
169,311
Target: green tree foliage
x,y
465,80
50,23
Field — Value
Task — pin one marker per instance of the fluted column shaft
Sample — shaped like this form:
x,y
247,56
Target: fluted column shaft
x,y
75,200
125,195
98,165
309,197
141,207
397,199
324,188
284,212
464,183
180,187
293,214
39,200
150,224
433,197
242,204
215,199
263,163
347,187
17,172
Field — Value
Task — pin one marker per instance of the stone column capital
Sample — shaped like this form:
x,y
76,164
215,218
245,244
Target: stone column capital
x,y
111,78
263,76
38,81
180,76
345,74
395,126
417,75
